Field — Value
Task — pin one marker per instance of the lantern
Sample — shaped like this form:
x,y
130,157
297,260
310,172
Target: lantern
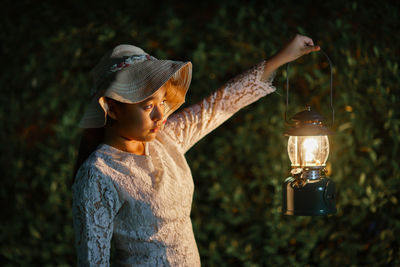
x,y
308,191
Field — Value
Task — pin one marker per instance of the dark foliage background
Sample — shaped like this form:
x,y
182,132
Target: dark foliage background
x,y
48,50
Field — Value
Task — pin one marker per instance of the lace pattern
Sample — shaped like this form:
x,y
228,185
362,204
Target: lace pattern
x,y
143,202
193,123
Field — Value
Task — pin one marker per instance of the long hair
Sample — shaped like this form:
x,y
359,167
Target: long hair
x,y
90,139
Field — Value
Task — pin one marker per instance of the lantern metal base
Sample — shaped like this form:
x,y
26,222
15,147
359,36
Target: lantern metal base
x,y
306,197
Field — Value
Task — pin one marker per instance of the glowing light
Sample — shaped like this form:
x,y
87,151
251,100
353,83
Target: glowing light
x,y
308,150
310,146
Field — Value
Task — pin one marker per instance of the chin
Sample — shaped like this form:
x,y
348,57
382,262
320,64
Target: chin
x,y
150,137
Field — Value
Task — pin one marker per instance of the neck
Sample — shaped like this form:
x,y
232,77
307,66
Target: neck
x,y
121,143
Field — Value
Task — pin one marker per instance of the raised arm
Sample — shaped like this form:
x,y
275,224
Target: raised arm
x,y
300,45
193,123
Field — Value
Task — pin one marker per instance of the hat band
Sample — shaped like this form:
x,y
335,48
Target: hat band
x,y
129,61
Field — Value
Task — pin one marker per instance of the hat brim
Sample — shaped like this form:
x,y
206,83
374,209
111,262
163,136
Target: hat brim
x,y
136,83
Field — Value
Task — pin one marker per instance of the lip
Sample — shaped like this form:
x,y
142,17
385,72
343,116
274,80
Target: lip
x,y
154,130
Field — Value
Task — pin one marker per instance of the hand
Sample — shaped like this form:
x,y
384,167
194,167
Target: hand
x,y
297,47
300,45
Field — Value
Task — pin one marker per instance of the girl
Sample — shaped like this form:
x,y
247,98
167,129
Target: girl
x,y
136,188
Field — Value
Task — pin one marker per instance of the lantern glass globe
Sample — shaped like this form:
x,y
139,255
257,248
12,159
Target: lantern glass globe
x,y
308,151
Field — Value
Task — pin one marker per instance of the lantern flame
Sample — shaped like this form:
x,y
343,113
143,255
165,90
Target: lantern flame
x,y
310,146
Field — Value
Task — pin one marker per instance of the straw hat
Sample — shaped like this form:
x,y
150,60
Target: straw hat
x,y
129,75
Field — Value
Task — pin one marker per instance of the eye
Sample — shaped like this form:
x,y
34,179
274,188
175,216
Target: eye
x,y
149,106
163,102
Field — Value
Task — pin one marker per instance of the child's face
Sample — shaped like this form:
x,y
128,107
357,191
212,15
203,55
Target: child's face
x,y
140,121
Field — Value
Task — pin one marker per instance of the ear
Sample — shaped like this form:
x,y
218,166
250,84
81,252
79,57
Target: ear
x,y
109,106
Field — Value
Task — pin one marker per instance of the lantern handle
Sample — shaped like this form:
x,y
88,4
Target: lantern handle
x,y
331,85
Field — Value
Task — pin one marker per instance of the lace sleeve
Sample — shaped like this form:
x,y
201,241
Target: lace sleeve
x,y
95,204
193,123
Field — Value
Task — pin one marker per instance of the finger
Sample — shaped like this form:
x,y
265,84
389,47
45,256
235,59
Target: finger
x,y
308,41
310,49
315,48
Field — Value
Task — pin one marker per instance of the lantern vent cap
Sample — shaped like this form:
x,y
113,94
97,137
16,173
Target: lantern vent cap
x,y
308,123
308,115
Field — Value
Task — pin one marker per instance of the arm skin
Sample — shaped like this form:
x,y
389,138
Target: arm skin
x,y
300,45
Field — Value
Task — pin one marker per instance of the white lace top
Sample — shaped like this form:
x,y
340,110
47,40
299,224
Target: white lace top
x,y
143,202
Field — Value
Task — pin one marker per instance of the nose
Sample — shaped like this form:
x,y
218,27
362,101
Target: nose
x,y
157,113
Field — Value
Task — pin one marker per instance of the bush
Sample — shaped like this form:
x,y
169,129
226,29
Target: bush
x,y
49,50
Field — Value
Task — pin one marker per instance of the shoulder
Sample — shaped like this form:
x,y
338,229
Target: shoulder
x,y
93,182
93,164
94,169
